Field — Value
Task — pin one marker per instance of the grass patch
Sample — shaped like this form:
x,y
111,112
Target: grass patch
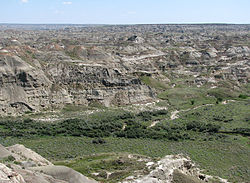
x,y
183,98
179,177
154,83
230,116
75,108
98,166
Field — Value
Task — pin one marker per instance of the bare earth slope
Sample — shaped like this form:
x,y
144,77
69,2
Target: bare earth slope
x,y
81,65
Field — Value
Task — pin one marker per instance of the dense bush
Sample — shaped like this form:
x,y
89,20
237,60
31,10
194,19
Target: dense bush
x,y
242,96
202,127
148,115
120,124
90,128
194,125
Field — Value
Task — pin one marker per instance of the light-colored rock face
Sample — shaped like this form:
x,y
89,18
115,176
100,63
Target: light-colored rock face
x,y
22,86
34,168
9,176
4,153
26,88
37,177
64,173
21,153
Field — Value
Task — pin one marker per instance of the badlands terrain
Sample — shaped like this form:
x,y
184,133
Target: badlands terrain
x,y
125,103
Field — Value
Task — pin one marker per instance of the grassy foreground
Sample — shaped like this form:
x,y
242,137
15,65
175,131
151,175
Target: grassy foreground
x,y
212,128
228,158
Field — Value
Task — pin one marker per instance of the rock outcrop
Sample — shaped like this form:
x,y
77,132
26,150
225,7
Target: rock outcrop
x,y
25,155
63,173
22,165
22,87
4,153
26,88
172,168
7,175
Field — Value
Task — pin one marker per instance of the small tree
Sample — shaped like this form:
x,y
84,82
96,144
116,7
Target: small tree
x,y
219,100
192,102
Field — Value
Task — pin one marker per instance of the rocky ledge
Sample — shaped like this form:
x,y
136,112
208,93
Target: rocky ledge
x,y
22,165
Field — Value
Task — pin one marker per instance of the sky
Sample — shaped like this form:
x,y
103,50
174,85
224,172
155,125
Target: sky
x,y
124,11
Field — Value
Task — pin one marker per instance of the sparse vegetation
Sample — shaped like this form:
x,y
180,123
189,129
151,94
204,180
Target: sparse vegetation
x,y
8,159
154,83
119,165
179,177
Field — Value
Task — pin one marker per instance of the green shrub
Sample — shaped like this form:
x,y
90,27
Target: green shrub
x,y
194,125
98,141
9,159
242,96
201,127
219,100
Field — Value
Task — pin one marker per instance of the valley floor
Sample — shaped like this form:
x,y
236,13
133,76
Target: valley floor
x,y
214,135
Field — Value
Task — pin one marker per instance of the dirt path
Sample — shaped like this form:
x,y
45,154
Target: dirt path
x,y
174,114
153,123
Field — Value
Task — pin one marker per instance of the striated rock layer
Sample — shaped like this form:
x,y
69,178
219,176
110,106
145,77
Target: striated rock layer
x,y
46,68
24,87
